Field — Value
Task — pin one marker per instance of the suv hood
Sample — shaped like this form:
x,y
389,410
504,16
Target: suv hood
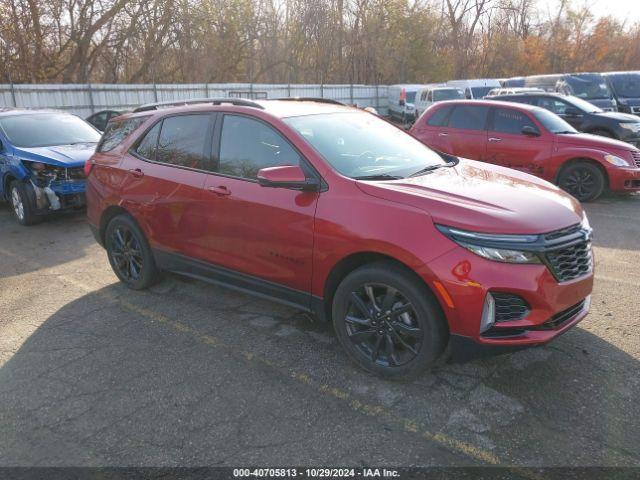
x,y
617,116
483,198
587,140
59,155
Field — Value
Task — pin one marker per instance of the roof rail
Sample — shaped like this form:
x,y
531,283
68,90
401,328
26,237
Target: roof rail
x,y
312,99
240,102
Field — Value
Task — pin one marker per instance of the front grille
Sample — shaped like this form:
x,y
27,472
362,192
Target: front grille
x,y
636,157
561,318
635,109
509,307
562,232
571,262
75,173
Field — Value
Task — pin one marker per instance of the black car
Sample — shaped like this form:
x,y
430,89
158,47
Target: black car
x,y
100,119
583,116
625,87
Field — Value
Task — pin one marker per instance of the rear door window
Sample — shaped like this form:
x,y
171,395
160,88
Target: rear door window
x,y
183,140
147,147
510,121
439,118
248,145
469,117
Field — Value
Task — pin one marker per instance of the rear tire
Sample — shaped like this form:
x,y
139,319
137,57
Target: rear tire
x,y
388,322
584,180
22,203
129,253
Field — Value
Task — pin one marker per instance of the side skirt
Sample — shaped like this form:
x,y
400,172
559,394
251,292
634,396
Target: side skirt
x,y
241,282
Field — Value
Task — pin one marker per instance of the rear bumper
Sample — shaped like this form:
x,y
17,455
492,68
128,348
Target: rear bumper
x,y
624,179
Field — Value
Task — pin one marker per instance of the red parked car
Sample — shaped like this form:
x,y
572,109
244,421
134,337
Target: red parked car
x,y
339,213
533,140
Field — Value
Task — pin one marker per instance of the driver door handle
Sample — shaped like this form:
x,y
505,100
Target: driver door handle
x,y
442,134
495,139
220,190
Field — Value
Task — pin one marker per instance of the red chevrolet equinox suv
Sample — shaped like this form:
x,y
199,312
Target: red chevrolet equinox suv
x,y
334,211
533,140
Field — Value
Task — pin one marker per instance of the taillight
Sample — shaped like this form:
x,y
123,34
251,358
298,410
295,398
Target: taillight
x,y
88,165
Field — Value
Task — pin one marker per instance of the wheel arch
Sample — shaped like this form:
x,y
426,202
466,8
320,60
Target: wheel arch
x,y
356,260
109,214
573,161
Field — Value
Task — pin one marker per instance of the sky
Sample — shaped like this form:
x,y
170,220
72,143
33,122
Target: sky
x,y
628,10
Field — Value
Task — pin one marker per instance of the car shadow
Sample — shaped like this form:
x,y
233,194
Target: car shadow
x,y
53,246
182,374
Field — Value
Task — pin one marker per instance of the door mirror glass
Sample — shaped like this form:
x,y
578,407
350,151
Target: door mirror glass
x,y
530,131
288,176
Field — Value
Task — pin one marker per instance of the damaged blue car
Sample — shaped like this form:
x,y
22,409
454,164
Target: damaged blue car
x,y
42,158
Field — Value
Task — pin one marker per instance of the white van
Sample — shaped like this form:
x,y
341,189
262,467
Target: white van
x,y
435,93
476,88
402,99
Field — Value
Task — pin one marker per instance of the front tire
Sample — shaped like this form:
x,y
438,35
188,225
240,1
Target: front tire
x,y
129,253
388,322
22,204
584,180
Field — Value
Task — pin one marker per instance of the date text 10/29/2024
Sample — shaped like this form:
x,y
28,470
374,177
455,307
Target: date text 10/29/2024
x,y
315,473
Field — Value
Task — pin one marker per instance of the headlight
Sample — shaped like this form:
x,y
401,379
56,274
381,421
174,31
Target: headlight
x,y
496,247
631,126
617,161
585,221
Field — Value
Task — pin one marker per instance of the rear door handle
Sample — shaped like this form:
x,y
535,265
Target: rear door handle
x,y
442,134
495,139
136,172
220,190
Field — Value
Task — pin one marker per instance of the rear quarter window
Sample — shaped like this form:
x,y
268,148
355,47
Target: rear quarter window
x,y
116,132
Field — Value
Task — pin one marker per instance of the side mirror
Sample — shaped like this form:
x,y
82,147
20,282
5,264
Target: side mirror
x,y
530,131
287,176
572,112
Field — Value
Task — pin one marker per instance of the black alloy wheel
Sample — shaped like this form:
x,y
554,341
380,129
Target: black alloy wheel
x,y
126,254
382,325
388,321
129,253
583,180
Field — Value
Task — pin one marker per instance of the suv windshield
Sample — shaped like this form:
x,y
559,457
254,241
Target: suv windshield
x,y
47,129
591,88
447,94
552,122
626,86
359,144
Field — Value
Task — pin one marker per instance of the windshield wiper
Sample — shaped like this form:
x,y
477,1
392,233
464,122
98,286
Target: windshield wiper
x,y
378,176
431,168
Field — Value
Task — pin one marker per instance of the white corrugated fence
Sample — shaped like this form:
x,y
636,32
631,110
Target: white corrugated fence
x,y
84,99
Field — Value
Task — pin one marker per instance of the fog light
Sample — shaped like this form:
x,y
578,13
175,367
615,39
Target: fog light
x,y
488,313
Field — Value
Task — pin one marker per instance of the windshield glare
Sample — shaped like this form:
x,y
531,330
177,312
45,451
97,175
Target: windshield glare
x,y
47,129
552,122
589,88
358,144
584,105
627,86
